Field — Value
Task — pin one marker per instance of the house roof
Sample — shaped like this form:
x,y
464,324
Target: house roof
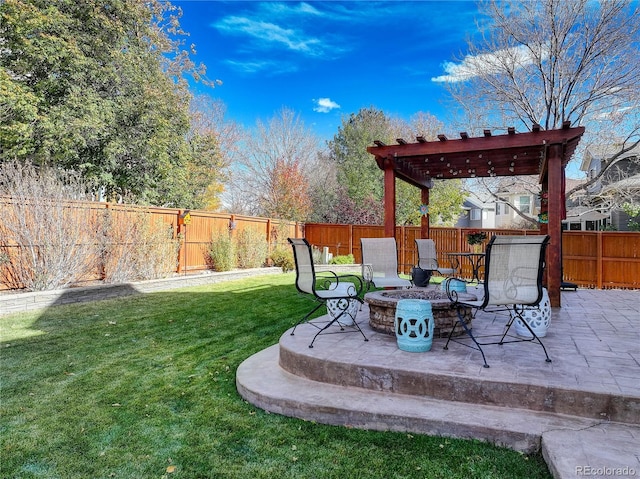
x,y
584,214
603,152
629,184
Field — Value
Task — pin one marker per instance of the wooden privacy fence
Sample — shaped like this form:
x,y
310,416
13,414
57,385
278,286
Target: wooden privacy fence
x,y
591,259
203,226
193,228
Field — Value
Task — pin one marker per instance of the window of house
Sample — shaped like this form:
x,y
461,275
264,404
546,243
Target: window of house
x,y
498,209
475,214
525,204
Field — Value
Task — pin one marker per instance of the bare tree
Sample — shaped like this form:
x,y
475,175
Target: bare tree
x,y
620,187
260,182
551,61
214,140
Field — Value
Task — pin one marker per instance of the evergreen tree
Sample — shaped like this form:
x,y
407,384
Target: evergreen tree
x,y
98,87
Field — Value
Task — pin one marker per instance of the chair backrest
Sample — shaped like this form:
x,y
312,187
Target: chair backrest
x,y
305,271
382,255
427,258
513,269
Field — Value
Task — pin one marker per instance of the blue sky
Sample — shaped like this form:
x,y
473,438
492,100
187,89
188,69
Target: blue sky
x,y
325,60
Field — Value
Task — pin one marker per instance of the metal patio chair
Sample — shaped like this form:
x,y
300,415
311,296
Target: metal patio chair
x,y
513,279
326,288
428,259
380,263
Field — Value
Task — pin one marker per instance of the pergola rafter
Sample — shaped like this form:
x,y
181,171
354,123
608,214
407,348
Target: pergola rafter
x,y
540,152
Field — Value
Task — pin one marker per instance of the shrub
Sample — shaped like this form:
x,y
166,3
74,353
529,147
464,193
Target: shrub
x,y
45,242
222,252
343,259
283,258
252,248
136,248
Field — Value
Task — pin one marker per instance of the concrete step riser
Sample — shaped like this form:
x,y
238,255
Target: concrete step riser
x,y
262,383
461,389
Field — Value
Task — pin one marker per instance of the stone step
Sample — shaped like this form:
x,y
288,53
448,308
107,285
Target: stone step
x,y
262,382
582,410
453,375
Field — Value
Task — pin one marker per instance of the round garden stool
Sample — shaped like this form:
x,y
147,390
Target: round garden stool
x,y
413,325
454,284
348,307
537,317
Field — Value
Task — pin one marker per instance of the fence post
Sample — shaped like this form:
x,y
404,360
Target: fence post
x,y
181,235
599,261
103,268
232,226
268,237
403,248
350,239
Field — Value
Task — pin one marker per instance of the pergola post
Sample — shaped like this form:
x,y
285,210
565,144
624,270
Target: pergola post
x,y
424,221
555,179
389,199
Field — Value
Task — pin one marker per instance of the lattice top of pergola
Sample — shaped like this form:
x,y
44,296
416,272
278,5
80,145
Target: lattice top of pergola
x,y
501,155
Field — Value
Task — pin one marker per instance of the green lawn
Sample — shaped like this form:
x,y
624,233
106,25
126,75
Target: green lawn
x,y
144,387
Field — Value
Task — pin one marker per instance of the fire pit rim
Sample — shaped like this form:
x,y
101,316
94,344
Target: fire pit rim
x,y
386,297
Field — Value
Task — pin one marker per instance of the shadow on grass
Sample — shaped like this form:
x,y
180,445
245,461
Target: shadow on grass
x,y
133,387
248,307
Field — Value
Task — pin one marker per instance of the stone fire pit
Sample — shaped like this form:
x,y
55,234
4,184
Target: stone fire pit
x,y
382,309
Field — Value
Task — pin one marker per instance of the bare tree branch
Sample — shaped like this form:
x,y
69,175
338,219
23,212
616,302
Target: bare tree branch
x,y
552,61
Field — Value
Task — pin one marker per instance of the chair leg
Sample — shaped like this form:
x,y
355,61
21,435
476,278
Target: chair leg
x,y
337,320
534,336
306,317
469,333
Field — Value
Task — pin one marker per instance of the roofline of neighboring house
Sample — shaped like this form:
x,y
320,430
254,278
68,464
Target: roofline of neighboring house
x,y
603,152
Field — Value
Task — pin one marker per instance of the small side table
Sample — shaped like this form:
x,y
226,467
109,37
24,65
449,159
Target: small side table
x,y
476,260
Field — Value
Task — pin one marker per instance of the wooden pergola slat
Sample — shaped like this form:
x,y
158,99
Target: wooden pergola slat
x,y
540,152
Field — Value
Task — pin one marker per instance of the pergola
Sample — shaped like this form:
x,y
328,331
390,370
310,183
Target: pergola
x,y
540,152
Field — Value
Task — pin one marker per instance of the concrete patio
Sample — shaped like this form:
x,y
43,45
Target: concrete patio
x,y
582,410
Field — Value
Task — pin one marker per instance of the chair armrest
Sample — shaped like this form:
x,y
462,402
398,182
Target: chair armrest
x,y
454,261
452,294
353,279
328,280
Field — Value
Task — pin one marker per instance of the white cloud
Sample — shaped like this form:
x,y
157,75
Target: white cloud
x,y
488,64
325,105
280,9
269,67
271,34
